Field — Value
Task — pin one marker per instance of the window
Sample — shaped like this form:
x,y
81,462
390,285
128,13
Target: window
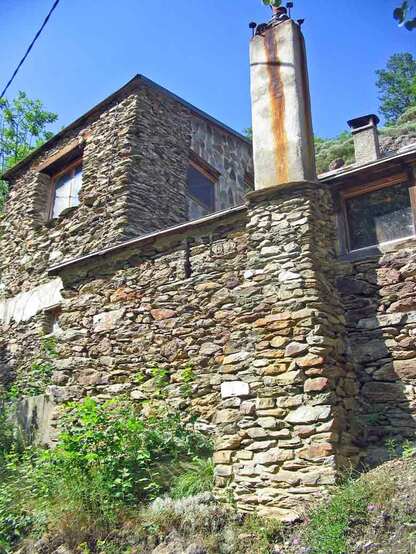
x,y
201,189
378,214
50,323
66,186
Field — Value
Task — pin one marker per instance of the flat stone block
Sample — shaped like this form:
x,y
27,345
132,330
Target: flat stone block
x,y
234,388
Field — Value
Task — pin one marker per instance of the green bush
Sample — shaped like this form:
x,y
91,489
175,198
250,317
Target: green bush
x,y
197,477
108,460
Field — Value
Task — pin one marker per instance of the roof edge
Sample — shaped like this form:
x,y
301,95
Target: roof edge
x,y
148,238
135,81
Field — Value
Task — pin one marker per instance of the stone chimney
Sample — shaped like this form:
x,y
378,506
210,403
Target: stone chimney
x,y
281,115
366,143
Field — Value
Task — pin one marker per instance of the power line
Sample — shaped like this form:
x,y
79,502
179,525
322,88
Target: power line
x,y
29,49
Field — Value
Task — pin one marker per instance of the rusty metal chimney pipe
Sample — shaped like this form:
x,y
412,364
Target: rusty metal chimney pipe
x,y
283,145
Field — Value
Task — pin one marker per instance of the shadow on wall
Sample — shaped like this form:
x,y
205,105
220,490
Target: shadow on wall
x,y
6,375
379,296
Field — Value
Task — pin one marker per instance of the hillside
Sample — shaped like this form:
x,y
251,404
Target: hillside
x,y
339,151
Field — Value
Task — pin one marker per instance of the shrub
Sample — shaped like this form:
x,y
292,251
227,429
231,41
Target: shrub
x,y
107,461
197,477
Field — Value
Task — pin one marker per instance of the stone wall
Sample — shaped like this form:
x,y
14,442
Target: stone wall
x,y
230,156
379,295
235,320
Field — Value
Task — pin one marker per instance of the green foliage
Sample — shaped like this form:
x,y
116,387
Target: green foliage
x,y
408,449
263,532
196,477
23,125
187,377
108,460
48,346
32,380
161,380
15,488
272,3
111,442
328,150
328,526
403,15
329,523
248,133
6,433
397,86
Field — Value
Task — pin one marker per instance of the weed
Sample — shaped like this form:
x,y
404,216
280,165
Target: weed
x,y
195,478
392,446
329,523
161,380
187,376
48,346
408,449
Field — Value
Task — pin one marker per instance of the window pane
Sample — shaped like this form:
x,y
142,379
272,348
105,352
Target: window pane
x,y
76,183
201,188
380,216
67,190
62,191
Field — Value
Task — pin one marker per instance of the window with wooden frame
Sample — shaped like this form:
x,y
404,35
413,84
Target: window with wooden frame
x,y
201,181
380,212
66,186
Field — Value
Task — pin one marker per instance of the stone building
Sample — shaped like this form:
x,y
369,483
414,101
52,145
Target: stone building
x,y
292,310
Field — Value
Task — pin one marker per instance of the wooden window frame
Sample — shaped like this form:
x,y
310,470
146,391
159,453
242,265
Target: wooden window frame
x,y
70,167
362,190
207,171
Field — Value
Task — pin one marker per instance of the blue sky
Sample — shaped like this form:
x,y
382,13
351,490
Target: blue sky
x,y
198,49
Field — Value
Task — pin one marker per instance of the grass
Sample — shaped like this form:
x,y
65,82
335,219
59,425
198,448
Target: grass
x,y
329,524
196,477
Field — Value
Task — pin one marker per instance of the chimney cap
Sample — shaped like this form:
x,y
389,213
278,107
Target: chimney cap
x,y
370,120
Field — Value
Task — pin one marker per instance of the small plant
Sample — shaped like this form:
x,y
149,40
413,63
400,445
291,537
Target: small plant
x,y
32,381
392,446
408,449
187,377
48,346
197,477
329,523
161,380
273,3
138,378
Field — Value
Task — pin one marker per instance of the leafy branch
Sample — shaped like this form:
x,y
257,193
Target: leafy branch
x,y
403,15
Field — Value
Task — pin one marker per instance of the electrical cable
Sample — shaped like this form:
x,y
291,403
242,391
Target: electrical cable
x,y
29,49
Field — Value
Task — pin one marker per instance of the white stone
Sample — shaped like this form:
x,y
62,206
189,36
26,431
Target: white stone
x,y
309,414
234,388
27,304
288,276
107,320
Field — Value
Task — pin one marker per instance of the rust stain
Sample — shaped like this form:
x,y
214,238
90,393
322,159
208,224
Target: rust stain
x,y
277,106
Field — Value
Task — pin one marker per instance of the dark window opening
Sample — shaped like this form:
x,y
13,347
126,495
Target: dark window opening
x,y
379,216
201,188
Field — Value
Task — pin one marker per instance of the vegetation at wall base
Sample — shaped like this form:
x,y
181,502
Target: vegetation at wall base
x,y
109,461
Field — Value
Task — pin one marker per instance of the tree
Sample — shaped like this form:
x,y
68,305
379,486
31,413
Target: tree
x,y
23,125
403,13
397,86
